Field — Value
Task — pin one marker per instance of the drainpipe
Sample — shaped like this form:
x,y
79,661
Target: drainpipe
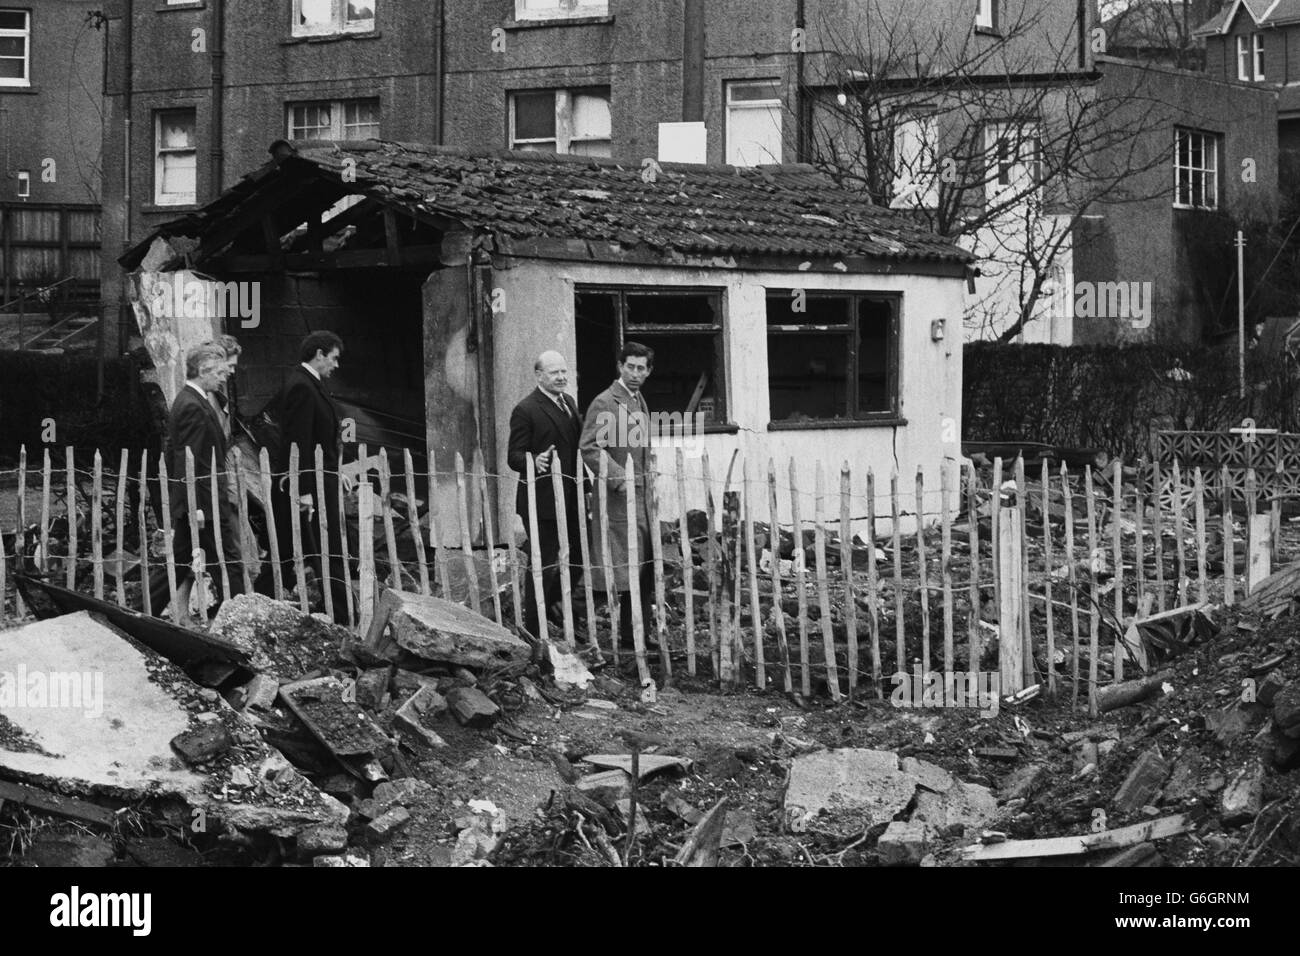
x,y
439,67
218,48
693,62
1083,34
800,114
129,41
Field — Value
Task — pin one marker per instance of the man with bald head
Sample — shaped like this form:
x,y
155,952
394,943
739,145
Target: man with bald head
x,y
546,426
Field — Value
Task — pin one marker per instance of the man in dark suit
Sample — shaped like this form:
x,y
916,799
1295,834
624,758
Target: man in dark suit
x,y
195,424
546,425
308,418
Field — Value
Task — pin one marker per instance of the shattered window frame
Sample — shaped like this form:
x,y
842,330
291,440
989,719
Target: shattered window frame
x,y
780,324
338,125
652,333
340,20
566,135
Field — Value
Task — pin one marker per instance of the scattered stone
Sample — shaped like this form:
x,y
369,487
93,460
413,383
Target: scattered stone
x,y
1286,710
404,791
1022,782
1242,798
967,806
325,838
606,787
276,635
1286,752
334,861
471,706
1183,779
344,786
382,828
1226,725
740,828
372,688
902,844
1143,782
673,802
425,704
998,753
209,740
1269,688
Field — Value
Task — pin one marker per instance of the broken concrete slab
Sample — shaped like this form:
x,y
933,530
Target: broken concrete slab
x,y
325,838
902,844
606,787
471,706
930,776
647,764
389,823
867,786
120,748
438,630
966,805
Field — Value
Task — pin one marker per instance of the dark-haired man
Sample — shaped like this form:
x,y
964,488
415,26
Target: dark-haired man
x,y
618,424
307,418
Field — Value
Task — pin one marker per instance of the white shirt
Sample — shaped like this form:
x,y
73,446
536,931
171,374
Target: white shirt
x,y
199,389
558,399
636,396
314,374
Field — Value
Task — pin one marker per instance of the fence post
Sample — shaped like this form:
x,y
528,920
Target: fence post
x,y
1011,609
535,551
146,599
97,525
823,586
21,536
71,511
846,569
366,556
634,573
774,545
688,563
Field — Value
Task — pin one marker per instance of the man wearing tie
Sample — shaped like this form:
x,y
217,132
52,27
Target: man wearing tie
x,y
546,425
195,424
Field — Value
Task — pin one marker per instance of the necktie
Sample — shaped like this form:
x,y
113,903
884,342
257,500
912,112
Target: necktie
x,y
564,407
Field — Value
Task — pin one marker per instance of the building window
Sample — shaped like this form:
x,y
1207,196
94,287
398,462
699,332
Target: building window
x,y
24,184
323,17
560,9
1257,43
1196,170
1014,152
832,356
337,120
15,47
916,148
1243,58
561,121
986,16
754,122
175,158
683,326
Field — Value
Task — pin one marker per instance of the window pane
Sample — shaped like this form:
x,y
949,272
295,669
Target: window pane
x,y
13,69
599,148
749,92
13,20
791,309
875,350
178,174
670,309
316,13
681,361
753,135
177,131
360,12
591,118
540,146
535,115
361,119
13,46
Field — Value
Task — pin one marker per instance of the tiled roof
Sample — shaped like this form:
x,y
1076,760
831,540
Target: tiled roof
x,y
689,210
1264,12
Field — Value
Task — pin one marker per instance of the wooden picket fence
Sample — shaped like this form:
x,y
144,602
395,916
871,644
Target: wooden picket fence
x,y
1064,556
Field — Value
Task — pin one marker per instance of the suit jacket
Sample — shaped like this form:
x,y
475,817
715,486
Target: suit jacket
x,y
619,425
535,425
194,424
308,418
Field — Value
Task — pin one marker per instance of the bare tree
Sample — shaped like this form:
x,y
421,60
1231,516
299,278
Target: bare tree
x,y
1158,30
1001,146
